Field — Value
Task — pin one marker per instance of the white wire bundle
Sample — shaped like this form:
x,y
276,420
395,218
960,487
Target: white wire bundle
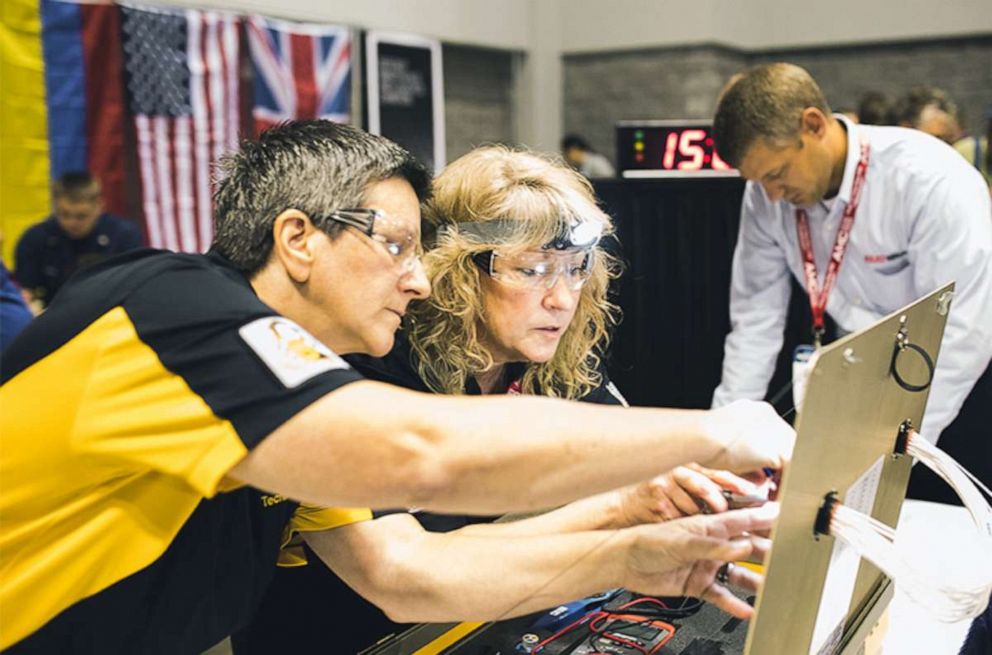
x,y
967,486
949,597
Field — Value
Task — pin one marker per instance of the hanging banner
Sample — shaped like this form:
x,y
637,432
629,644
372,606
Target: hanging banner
x,y
406,93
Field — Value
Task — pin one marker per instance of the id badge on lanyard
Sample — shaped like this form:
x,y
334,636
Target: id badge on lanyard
x,y
804,356
803,360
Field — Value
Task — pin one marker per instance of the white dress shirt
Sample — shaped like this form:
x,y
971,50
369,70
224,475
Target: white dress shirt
x,y
924,220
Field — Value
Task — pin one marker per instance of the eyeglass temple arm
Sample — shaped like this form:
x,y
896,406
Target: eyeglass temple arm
x,y
361,219
484,260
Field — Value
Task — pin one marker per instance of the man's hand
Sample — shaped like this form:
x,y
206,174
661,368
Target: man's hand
x,y
683,557
749,436
683,491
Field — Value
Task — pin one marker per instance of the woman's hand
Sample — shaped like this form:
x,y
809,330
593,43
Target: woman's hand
x,y
683,491
749,436
683,557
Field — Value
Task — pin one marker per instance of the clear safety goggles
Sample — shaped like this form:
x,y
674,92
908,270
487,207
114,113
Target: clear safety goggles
x,y
402,244
537,270
573,233
568,254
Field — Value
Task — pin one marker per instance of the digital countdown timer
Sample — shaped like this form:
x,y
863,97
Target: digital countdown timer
x,y
668,149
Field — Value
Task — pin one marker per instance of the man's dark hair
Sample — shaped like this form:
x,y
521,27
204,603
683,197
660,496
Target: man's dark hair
x,y
909,108
315,166
77,186
764,102
876,108
570,141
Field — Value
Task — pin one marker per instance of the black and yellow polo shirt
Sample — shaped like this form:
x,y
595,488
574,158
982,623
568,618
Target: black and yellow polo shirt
x,y
306,595
123,407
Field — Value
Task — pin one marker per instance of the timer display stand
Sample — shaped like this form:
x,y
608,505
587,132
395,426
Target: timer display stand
x,y
671,148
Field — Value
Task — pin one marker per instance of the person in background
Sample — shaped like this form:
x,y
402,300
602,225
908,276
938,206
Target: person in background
x,y
933,111
209,419
913,216
930,110
975,149
580,156
875,108
14,311
519,305
77,235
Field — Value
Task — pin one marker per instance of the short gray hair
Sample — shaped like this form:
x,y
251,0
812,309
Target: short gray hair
x,y
315,166
765,102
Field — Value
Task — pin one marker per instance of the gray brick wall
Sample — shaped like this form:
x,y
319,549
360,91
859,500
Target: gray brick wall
x,y
602,88
478,100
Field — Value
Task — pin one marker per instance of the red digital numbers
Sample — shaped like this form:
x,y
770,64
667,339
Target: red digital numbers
x,y
686,148
668,161
690,146
719,164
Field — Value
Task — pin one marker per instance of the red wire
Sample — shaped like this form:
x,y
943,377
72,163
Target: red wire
x,y
592,616
644,599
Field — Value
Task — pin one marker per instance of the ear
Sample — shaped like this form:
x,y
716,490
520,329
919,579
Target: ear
x,y
294,242
814,122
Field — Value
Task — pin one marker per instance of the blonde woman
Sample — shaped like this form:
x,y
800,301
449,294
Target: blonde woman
x,y
519,304
520,280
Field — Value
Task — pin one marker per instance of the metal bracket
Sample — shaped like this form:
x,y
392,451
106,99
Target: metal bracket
x,y
944,302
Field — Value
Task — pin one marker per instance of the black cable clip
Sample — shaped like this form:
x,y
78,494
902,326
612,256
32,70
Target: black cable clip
x,y
902,344
825,515
902,438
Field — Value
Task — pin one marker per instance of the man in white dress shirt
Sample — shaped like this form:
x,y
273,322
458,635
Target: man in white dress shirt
x,y
903,214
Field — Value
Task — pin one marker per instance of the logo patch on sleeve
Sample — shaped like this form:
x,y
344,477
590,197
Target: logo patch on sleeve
x,y
290,352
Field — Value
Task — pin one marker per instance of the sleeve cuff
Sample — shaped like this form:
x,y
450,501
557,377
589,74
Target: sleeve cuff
x,y
208,474
311,518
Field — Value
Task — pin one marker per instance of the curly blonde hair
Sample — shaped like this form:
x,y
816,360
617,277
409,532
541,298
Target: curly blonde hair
x,y
492,183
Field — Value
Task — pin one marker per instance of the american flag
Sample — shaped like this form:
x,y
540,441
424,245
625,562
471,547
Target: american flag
x,y
301,71
182,81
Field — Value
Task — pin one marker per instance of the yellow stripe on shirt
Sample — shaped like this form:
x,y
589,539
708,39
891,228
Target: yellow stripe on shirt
x,y
97,482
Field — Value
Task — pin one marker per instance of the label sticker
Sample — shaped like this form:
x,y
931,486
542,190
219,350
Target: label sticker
x,y
803,361
291,353
843,571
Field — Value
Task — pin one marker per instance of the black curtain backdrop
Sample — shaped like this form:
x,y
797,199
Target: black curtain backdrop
x,y
677,238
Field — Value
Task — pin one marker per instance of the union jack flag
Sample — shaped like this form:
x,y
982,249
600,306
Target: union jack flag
x,y
300,70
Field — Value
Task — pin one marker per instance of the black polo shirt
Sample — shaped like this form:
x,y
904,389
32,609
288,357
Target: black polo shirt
x,y
399,367
124,406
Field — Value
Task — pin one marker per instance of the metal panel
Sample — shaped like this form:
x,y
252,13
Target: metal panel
x,y
850,418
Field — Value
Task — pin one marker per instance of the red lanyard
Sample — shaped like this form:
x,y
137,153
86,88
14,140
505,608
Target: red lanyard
x,y
818,297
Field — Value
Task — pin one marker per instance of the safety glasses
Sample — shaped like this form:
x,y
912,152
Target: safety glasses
x,y
402,244
537,270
